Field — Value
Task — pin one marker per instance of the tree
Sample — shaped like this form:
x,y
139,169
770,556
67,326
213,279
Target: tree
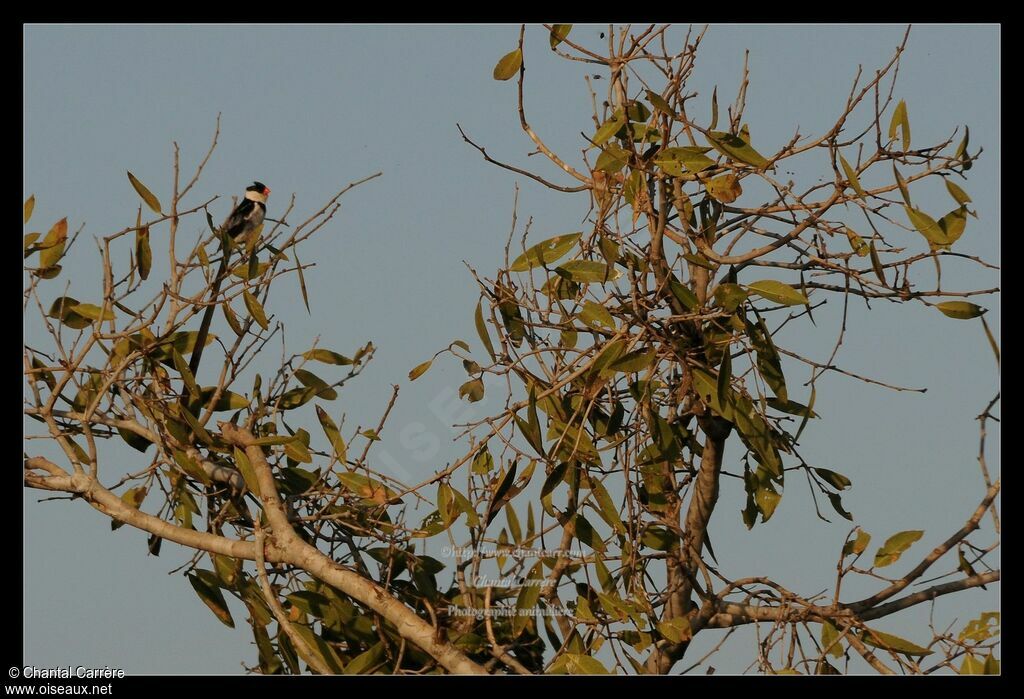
x,y
646,377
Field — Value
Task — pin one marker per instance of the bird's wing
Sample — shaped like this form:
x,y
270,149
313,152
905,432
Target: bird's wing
x,y
236,221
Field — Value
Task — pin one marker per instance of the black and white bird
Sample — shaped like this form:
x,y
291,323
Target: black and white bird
x,y
249,214
244,221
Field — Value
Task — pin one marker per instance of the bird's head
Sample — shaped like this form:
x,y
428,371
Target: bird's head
x,y
257,191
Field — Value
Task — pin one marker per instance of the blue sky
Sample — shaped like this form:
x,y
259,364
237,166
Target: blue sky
x,y
307,109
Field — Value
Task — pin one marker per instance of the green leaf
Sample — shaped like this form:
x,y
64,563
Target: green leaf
x,y
472,390
961,310
528,596
692,158
367,487
228,400
958,194
556,476
545,253
659,103
483,462
972,665
851,176
311,380
714,109
952,225
836,480
327,357
186,374
858,545
725,188
586,534
767,499
684,294
589,271
92,312
926,226
901,122
30,205
791,407
857,243
606,506
245,468
676,630
876,263
53,244
961,150
597,316
608,129
298,451
333,435
63,309
302,282
778,292
255,309
730,296
420,369
612,159
829,640
635,361
769,363
887,641
143,253
365,662
894,547
837,505
509,65
147,196
659,538
736,148
211,595
558,33
481,330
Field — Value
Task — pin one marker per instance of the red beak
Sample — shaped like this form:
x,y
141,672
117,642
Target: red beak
x,y
266,190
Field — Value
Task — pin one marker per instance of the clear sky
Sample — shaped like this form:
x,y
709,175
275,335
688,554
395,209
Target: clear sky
x,y
307,109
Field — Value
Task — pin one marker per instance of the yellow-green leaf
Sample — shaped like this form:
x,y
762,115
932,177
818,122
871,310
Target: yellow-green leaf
x,y
901,122
143,252
876,263
736,148
211,595
472,390
53,244
545,253
887,641
851,176
725,188
858,545
30,204
961,310
147,196
778,292
692,158
558,33
420,369
509,65
829,640
659,103
597,316
333,435
327,357
972,665
589,271
926,226
255,309
894,547
956,192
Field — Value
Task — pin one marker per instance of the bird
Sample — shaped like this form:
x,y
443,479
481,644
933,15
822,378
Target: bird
x,y
249,214
245,221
